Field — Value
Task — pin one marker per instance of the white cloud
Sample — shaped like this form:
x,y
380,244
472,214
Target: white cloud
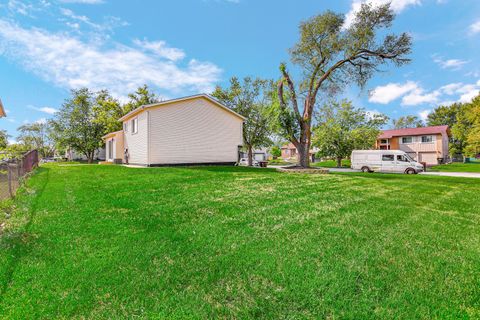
x,y
454,64
44,109
475,27
70,62
396,5
41,121
424,114
413,94
161,49
392,91
418,96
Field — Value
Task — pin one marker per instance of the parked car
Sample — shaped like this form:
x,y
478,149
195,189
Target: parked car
x,y
244,162
393,161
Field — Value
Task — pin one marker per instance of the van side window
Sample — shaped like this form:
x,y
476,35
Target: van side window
x,y
388,157
401,158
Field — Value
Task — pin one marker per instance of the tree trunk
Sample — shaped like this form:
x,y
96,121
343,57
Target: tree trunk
x,y
250,156
303,154
339,162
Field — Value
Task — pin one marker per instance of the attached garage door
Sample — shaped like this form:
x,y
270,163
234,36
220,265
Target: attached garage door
x,y
429,158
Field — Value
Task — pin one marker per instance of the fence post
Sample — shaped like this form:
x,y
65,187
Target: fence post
x,y
9,178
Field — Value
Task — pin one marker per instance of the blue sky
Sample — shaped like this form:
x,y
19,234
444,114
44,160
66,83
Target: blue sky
x,y
48,47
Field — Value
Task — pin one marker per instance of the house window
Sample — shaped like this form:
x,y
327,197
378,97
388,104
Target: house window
x,y
426,139
110,149
384,141
407,139
388,157
134,125
125,126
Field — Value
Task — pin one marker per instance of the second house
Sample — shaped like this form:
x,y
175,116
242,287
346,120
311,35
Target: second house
x,y
191,130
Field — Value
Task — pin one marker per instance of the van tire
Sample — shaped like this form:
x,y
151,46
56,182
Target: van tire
x,y
366,169
410,171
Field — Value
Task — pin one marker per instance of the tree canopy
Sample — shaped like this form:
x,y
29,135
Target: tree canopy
x,y
37,136
252,99
342,128
408,121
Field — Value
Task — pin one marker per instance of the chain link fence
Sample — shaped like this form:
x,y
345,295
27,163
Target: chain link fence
x,y
13,170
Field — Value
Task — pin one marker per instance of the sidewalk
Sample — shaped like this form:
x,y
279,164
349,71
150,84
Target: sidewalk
x,y
453,174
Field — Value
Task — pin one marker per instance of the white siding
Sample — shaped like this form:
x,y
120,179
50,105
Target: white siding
x,y
137,143
193,131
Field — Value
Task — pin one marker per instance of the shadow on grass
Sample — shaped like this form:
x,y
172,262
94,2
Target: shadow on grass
x,y
17,243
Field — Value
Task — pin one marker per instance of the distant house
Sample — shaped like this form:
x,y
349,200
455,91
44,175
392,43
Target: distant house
x,y
191,130
2,110
73,155
289,152
425,144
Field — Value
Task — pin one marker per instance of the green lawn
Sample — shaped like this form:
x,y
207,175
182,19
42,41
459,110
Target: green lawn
x,y
331,163
458,167
109,242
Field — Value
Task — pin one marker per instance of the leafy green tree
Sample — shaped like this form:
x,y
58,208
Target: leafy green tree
x,y
407,122
142,96
3,139
444,115
461,129
331,56
251,99
473,135
37,136
276,152
342,128
76,123
107,111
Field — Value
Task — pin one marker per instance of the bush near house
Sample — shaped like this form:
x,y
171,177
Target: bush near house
x,y
106,242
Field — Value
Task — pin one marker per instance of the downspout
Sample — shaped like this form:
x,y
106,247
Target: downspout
x,y
148,139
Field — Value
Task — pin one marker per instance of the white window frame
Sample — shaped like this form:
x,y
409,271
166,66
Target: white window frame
x,y
125,126
431,136
411,138
134,122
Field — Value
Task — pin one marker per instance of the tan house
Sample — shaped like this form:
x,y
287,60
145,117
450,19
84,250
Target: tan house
x,y
425,144
191,130
2,110
289,152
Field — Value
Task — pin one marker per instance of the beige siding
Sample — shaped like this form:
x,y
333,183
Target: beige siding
x,y
193,131
137,143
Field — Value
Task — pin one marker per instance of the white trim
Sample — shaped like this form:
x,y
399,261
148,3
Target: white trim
x,y
206,96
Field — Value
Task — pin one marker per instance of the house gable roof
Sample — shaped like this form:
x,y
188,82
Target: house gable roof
x,y
198,96
2,110
387,134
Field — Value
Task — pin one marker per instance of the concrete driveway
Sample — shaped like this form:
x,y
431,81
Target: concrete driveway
x,y
453,174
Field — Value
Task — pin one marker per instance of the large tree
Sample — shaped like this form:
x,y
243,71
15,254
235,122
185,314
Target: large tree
x,y
107,111
331,55
342,128
472,147
3,139
444,115
37,136
251,99
76,126
408,121
142,96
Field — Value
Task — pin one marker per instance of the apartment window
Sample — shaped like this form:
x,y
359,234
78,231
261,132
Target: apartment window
x,y
407,139
135,125
388,157
384,141
125,126
426,139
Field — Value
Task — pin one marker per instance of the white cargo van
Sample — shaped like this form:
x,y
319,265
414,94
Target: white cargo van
x,y
384,161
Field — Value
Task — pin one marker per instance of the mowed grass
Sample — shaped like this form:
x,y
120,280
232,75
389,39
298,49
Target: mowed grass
x,y
458,167
109,242
331,163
